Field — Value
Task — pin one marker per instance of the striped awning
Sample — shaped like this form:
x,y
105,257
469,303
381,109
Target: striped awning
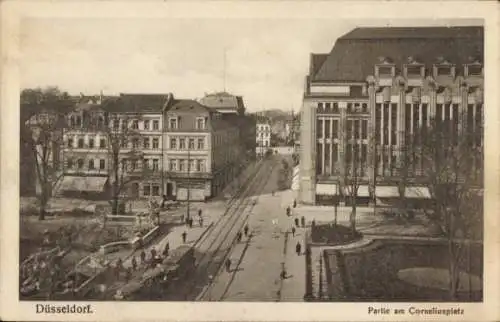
x,y
410,192
417,192
363,191
90,184
326,189
386,191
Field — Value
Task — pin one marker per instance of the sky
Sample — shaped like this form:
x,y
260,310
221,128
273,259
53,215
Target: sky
x,y
266,60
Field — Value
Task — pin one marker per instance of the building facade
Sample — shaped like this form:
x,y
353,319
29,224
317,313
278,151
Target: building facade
x,y
202,150
375,90
263,137
116,145
233,110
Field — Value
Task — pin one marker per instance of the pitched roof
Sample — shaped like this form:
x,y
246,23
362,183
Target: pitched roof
x,y
414,33
222,100
137,103
187,104
355,54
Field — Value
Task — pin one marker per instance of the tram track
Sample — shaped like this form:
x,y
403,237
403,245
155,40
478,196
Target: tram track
x,y
216,245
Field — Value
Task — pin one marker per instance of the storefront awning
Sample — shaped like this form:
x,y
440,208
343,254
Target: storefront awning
x,y
417,192
363,191
90,184
326,189
410,192
386,191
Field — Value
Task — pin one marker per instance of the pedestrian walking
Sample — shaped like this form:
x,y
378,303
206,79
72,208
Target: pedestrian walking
x,y
293,231
245,230
297,222
294,203
128,274
143,256
298,248
199,212
134,263
303,221
166,250
228,265
288,211
184,235
200,220
283,274
164,199
239,236
190,222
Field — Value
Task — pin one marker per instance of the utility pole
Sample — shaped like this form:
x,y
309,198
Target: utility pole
x,y
224,71
188,216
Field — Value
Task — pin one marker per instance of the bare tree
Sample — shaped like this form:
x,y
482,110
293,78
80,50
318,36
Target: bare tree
x,y
126,159
353,175
44,139
452,167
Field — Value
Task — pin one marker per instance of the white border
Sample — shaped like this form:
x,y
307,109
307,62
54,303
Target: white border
x,y
13,12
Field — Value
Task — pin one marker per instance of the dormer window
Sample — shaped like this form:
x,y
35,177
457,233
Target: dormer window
x,y
414,71
385,71
172,122
474,69
444,68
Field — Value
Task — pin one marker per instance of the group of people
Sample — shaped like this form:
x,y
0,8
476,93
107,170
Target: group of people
x,y
239,237
145,261
189,220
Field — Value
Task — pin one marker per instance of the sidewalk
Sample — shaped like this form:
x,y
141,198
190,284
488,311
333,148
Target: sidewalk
x,y
294,285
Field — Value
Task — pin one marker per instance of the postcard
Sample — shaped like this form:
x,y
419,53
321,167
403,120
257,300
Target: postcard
x,y
249,161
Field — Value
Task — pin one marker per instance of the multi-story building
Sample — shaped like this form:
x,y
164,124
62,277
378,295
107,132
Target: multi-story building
x,y
263,137
202,150
374,89
116,144
233,111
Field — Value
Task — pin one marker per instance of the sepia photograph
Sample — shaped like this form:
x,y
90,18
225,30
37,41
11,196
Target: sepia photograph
x,y
294,160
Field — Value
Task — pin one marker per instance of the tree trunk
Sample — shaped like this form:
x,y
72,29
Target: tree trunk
x,y
452,270
43,201
352,217
116,192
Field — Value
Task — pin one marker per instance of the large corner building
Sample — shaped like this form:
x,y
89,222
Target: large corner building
x,y
375,87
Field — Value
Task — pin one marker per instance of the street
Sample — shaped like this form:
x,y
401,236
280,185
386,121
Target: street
x,y
256,261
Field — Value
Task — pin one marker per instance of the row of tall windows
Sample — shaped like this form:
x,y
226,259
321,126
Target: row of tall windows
x,y
327,128
386,116
333,107
175,123
149,189
85,164
181,165
81,143
144,164
145,125
181,143
356,129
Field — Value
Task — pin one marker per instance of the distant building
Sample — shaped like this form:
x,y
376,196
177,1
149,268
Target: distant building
x,y
263,137
375,87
